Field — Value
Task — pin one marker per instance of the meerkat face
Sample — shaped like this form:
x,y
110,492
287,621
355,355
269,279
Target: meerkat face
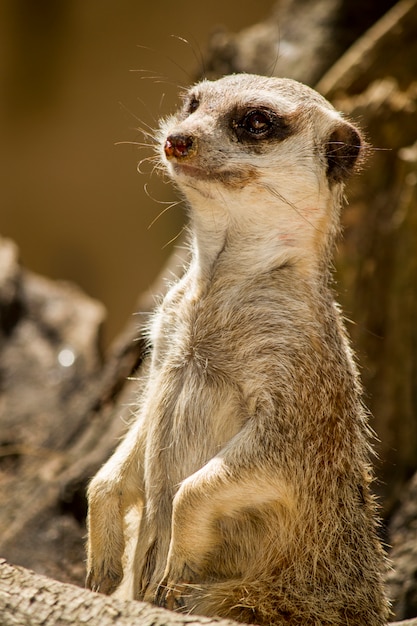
x,y
243,129
251,148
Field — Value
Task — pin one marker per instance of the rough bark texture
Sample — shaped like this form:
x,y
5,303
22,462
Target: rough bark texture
x,y
29,599
60,425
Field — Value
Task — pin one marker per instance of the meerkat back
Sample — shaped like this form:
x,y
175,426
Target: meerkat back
x,y
249,455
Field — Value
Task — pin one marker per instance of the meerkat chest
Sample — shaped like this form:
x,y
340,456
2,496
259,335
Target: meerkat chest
x,y
194,414
197,406
217,357
196,334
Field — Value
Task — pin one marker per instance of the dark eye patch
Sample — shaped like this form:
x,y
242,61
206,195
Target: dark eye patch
x,y
253,125
192,105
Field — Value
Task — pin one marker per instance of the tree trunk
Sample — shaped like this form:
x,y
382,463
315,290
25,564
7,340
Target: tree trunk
x,y
27,599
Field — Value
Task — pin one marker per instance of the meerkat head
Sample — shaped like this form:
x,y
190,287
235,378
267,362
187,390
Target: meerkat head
x,y
265,149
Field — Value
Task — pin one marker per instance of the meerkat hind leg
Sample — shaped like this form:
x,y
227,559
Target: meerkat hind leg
x,y
202,500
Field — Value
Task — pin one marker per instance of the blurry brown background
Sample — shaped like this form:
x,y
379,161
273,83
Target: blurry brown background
x,y
69,92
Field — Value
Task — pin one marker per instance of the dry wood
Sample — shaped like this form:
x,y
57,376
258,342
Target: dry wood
x,y
386,49
32,600
28,599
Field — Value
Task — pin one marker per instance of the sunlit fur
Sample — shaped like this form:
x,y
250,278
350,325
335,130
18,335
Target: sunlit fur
x,y
248,462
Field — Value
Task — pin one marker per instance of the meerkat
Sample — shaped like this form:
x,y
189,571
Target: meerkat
x,y
249,454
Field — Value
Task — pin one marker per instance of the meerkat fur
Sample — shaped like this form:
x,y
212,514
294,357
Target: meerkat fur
x,y
249,458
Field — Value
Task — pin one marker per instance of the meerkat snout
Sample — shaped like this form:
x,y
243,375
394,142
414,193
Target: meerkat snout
x,y
179,146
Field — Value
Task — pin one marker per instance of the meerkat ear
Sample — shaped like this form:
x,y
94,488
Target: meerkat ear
x,y
342,151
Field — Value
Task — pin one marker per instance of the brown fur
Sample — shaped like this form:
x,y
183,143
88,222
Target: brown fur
x,y
249,456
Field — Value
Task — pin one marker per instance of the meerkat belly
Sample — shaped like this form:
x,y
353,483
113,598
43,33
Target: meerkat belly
x,y
195,415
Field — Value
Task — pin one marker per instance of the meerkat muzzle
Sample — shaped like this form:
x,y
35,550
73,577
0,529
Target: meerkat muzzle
x,y
179,146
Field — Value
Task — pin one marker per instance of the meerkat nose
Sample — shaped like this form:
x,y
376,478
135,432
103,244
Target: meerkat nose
x,y
178,146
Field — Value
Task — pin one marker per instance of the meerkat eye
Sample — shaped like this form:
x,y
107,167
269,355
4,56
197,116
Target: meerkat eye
x,y
192,105
257,122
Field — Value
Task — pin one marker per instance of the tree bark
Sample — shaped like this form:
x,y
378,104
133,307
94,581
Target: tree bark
x,y
28,599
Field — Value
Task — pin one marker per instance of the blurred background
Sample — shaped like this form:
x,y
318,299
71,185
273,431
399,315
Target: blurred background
x,y
72,95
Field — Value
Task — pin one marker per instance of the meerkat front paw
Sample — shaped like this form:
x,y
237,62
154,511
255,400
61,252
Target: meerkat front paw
x,y
103,580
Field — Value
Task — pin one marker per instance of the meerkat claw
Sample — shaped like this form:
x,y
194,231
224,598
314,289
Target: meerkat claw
x,y
170,596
